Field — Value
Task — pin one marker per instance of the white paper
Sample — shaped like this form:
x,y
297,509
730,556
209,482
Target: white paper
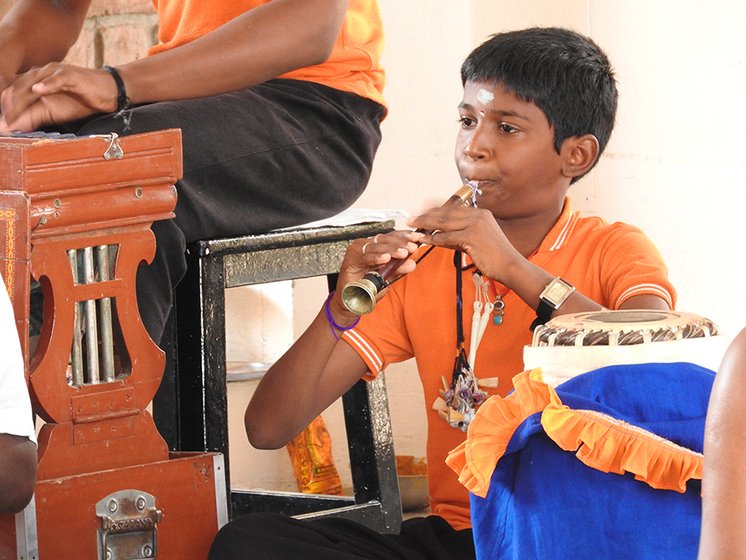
x,y
353,216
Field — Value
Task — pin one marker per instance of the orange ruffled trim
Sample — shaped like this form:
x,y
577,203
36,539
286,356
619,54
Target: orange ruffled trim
x,y
600,442
493,425
611,445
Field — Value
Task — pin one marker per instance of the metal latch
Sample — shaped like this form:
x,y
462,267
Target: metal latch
x,y
114,150
128,526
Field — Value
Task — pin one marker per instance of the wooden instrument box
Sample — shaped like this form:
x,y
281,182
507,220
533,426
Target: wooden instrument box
x,y
75,217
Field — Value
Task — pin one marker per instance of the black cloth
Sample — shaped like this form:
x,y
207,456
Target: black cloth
x,y
278,154
276,537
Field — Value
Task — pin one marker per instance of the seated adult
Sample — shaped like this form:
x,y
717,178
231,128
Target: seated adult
x,y
279,103
17,435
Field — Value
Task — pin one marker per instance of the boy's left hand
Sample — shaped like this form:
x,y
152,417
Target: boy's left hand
x,y
365,255
473,231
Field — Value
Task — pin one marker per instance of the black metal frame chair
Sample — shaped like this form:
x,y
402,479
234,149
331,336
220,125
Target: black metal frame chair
x,y
191,406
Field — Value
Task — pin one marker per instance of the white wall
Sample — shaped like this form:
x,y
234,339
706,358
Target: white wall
x,y
673,167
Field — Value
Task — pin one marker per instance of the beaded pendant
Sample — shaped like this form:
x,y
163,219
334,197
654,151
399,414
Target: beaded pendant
x,y
498,310
458,401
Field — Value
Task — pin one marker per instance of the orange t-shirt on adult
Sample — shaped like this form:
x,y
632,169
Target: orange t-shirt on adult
x,y
352,66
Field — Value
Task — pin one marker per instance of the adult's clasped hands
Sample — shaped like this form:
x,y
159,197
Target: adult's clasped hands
x,y
54,94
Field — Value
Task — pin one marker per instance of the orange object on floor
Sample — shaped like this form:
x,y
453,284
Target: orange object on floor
x,y
313,463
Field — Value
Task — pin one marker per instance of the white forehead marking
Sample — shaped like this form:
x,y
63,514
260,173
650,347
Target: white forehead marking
x,y
484,96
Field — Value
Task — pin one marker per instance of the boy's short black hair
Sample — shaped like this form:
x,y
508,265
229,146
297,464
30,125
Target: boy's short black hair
x,y
564,73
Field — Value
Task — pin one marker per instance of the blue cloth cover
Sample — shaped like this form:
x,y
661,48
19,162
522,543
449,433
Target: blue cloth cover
x,y
544,503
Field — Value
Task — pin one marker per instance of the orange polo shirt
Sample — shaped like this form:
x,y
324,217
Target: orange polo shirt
x,y
352,66
417,319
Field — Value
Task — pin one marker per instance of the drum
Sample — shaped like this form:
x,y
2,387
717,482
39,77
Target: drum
x,y
569,345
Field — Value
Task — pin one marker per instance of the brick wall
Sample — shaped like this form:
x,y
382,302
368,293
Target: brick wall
x,y
115,32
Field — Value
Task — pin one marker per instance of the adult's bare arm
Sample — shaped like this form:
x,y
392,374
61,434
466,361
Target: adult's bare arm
x,y
35,32
724,477
258,45
17,472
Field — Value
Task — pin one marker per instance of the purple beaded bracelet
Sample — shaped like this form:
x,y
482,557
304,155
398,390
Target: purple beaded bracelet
x,y
332,323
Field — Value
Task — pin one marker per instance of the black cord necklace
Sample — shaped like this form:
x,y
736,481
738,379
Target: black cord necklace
x,y
459,400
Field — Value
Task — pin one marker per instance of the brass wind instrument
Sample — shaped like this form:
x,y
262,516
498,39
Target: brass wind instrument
x,y
360,296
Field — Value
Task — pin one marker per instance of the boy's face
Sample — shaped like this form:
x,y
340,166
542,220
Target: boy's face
x,y
507,146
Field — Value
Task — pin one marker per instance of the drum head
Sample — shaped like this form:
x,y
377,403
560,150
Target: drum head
x,y
622,327
572,344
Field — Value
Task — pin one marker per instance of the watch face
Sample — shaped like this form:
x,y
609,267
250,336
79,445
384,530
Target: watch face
x,y
557,291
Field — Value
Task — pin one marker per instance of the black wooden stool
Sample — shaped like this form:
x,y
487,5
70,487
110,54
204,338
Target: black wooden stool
x,y
191,408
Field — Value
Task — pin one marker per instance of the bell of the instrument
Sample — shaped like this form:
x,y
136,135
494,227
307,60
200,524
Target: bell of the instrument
x,y
360,296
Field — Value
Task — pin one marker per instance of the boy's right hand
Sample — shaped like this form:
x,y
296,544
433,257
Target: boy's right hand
x,y
368,254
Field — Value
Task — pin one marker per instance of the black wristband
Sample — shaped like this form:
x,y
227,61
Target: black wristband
x,y
543,314
123,102
551,298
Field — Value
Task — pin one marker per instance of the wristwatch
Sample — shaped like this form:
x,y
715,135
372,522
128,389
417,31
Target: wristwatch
x,y
555,293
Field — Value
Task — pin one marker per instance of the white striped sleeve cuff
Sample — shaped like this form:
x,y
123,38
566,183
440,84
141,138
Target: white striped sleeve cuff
x,y
644,289
365,350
